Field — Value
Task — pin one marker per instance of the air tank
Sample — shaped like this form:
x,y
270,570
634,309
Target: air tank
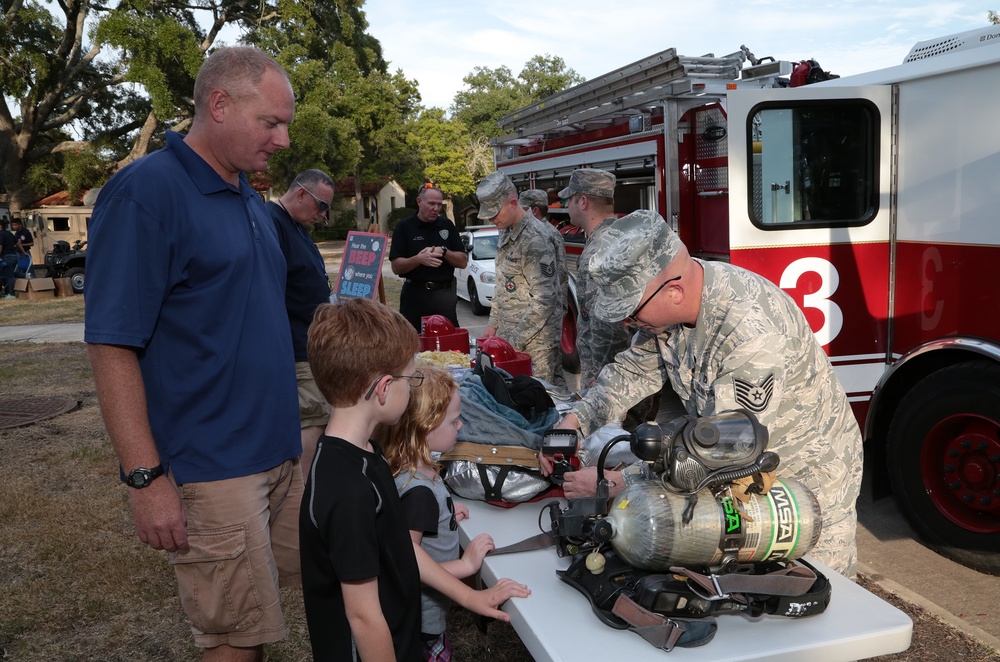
x,y
649,532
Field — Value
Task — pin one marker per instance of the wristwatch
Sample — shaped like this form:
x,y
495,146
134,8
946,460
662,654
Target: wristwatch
x,y
142,477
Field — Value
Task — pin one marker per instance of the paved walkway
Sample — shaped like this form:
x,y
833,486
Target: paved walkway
x,y
70,332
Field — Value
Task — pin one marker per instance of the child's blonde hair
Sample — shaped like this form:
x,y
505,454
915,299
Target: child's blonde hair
x,y
405,443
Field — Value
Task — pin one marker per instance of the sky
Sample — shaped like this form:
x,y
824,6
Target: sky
x,y
438,42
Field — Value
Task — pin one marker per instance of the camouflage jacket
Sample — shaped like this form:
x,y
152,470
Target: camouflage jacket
x,y
597,341
530,297
560,247
752,349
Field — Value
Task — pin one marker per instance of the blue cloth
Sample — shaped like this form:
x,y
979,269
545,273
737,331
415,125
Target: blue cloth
x,y
307,285
486,421
186,269
8,244
8,260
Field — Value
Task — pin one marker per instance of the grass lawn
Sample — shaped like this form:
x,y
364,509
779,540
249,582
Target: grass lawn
x,y
46,311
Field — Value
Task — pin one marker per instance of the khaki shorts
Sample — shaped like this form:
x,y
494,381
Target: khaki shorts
x,y
243,535
313,407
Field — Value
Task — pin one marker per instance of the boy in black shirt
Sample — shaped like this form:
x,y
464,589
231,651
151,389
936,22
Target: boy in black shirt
x,y
361,573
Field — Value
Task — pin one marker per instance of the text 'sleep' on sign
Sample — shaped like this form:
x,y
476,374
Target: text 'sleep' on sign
x,y
361,266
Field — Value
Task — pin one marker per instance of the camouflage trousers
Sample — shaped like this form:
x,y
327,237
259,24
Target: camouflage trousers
x,y
546,359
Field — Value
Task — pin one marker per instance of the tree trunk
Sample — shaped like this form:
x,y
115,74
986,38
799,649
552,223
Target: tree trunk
x,y
359,203
141,144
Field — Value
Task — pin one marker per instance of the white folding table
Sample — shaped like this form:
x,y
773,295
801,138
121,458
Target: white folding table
x,y
556,622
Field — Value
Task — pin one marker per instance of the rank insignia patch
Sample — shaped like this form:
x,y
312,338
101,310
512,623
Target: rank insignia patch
x,y
755,397
548,270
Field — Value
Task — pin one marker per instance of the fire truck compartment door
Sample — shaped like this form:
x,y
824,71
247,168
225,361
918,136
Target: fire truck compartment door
x,y
810,176
793,137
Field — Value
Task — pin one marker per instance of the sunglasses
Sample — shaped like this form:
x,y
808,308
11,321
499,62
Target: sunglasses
x,y
634,317
453,523
416,379
323,205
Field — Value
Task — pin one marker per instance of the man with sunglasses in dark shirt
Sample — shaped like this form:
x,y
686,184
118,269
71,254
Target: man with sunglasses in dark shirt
x,y
307,200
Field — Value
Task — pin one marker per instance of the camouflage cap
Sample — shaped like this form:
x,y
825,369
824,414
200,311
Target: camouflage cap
x,y
493,192
534,197
590,181
625,258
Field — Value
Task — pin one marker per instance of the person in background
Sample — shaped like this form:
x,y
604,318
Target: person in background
x,y
725,339
426,250
306,201
8,260
530,300
590,202
192,356
23,235
430,426
361,572
536,201
24,241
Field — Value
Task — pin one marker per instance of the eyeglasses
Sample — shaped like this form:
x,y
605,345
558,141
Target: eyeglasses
x,y
416,379
634,317
453,522
323,205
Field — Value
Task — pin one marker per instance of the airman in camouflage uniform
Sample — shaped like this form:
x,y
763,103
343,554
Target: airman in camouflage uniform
x,y
530,298
536,201
590,203
726,339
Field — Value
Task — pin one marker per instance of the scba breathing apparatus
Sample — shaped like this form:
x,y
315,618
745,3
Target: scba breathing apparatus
x,y
712,532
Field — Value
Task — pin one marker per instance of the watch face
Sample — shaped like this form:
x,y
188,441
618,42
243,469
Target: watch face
x,y
141,477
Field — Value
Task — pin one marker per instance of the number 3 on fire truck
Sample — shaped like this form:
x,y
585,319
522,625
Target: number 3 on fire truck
x,y
833,316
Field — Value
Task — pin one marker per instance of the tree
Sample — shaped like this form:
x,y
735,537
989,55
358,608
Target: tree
x,y
493,93
350,111
112,98
103,96
443,148
993,17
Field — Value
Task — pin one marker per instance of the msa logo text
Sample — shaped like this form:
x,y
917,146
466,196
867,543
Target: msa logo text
x,y
785,514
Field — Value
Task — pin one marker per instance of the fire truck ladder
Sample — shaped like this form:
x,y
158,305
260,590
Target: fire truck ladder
x,y
641,83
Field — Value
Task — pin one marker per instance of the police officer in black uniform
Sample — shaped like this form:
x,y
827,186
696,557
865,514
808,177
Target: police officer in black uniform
x,y
426,250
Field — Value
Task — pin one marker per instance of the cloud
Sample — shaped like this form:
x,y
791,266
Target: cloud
x,y
438,42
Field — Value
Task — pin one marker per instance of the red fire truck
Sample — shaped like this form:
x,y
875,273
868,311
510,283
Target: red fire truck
x,y
871,199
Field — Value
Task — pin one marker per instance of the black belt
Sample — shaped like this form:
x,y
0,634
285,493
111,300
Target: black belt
x,y
431,285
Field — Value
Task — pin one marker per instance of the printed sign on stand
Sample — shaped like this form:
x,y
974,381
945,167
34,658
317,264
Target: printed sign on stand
x,y
361,266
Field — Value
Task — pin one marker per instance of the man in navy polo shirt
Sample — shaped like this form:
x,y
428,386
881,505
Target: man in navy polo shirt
x,y
192,356
307,200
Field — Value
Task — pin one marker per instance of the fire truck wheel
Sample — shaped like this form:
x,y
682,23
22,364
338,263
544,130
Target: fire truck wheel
x,y
477,307
944,462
